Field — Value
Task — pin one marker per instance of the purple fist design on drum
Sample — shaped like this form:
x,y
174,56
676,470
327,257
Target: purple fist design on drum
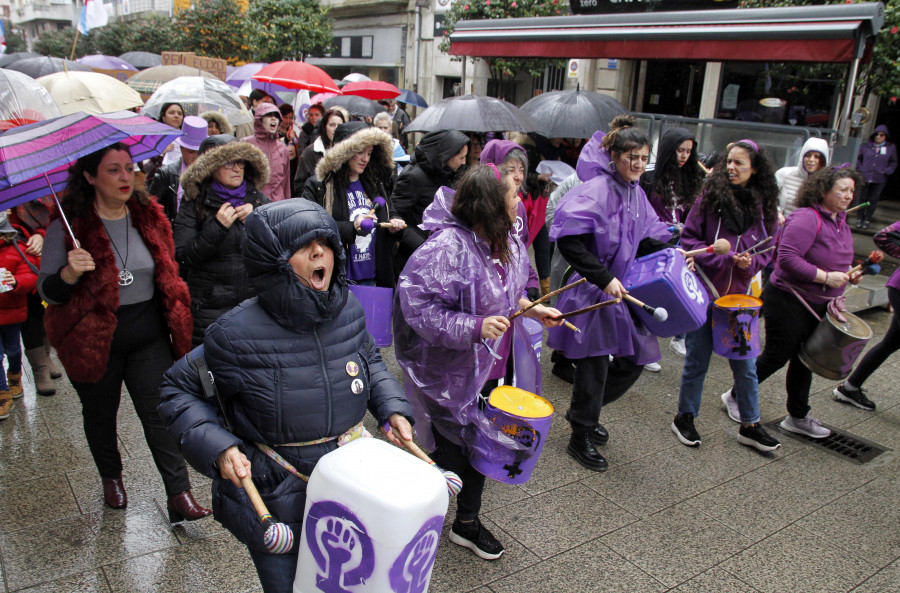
x,y
340,545
411,571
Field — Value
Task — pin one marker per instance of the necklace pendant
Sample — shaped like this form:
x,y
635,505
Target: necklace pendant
x,y
125,278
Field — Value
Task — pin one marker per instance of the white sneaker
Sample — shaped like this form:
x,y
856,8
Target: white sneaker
x,y
653,367
808,426
731,406
677,346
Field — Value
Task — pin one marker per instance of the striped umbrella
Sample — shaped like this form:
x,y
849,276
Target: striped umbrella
x,y
34,159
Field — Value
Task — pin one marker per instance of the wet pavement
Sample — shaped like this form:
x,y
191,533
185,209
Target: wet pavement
x,y
664,517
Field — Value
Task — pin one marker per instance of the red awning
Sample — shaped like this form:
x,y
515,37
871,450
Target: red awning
x,y
832,33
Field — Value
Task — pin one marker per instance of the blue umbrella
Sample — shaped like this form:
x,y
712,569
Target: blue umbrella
x,y
35,159
411,98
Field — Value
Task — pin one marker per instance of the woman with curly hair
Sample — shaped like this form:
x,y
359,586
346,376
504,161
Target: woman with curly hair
x,y
673,185
600,227
815,251
452,328
118,312
739,203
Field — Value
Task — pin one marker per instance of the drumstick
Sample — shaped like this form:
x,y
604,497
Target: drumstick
x,y
278,539
658,313
454,483
857,207
703,167
766,250
875,257
760,244
378,202
587,309
387,225
547,296
720,247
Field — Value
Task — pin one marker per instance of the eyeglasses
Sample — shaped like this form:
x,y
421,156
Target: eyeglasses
x,y
235,165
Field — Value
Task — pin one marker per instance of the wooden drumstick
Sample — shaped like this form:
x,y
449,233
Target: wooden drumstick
x,y
548,296
875,257
720,247
703,167
588,309
658,313
760,244
387,225
857,207
378,202
278,538
454,483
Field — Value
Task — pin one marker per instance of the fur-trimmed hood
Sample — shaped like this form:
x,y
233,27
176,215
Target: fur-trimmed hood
x,y
340,153
225,126
200,173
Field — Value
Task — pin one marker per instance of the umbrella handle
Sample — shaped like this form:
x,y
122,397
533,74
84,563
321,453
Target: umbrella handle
x,y
62,214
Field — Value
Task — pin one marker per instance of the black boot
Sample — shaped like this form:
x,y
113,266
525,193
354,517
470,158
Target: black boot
x,y
598,435
582,450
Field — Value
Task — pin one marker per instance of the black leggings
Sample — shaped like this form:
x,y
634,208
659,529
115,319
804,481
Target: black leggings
x,y
33,328
881,351
788,325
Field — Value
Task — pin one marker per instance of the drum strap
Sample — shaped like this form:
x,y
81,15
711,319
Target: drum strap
x,y
803,301
706,280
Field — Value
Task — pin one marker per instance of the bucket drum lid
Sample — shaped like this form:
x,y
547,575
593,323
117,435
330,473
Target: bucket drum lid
x,y
854,327
518,402
738,301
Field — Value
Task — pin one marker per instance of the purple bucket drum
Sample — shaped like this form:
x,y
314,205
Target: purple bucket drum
x,y
735,326
662,279
526,418
377,303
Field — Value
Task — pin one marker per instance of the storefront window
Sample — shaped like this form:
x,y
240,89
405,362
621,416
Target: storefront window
x,y
792,94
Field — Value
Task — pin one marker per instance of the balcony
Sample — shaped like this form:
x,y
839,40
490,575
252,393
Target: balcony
x,y
44,10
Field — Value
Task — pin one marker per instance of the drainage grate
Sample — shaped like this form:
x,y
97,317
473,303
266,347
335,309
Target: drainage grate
x,y
841,443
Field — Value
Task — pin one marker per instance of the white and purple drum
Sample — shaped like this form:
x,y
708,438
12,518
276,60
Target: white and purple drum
x,y
662,279
372,523
526,418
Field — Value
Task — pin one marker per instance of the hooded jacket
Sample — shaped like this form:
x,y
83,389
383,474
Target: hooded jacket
x,y
671,208
617,216
210,254
876,163
448,285
791,178
284,364
279,185
418,182
328,188
225,126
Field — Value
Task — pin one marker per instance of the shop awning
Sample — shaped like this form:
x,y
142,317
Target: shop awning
x,y
830,33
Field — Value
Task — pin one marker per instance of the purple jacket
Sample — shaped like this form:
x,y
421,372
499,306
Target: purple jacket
x,y
702,228
279,185
888,239
802,249
876,163
618,216
448,285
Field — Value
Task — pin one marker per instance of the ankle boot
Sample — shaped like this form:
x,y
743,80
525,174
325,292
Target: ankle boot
x,y
183,507
55,373
37,358
6,404
14,380
582,450
114,494
545,286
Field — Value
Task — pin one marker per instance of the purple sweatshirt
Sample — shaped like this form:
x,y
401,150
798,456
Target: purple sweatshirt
x,y
802,250
702,228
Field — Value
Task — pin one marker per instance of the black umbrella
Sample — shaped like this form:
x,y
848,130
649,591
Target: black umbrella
x,y
472,113
7,59
355,105
572,114
37,67
142,59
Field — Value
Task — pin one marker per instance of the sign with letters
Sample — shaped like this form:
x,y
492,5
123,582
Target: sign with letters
x,y
612,6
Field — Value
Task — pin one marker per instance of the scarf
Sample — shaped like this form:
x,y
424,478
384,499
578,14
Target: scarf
x,y
234,196
741,218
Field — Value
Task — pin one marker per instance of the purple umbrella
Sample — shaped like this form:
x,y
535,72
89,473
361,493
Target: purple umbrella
x,y
101,62
242,74
34,159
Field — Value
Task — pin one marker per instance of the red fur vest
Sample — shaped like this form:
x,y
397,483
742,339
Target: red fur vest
x,y
82,329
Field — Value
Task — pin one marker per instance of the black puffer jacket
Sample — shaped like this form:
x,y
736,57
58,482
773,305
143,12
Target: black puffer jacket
x,y
282,363
418,182
210,254
328,188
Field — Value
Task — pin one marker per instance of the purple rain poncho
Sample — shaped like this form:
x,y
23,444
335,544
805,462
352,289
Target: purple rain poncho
x,y
450,282
618,216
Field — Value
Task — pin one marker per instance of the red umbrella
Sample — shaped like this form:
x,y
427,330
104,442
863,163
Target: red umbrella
x,y
297,76
371,89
